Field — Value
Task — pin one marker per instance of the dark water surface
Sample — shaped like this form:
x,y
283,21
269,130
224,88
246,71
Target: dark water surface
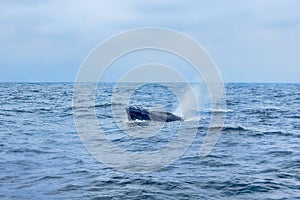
x,y
256,157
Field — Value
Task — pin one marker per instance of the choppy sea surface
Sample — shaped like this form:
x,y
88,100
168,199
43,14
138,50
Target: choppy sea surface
x,y
256,157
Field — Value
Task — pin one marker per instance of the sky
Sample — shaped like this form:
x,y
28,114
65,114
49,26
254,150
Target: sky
x,y
249,40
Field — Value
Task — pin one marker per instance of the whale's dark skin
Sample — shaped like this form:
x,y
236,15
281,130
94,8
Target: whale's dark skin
x,y
139,113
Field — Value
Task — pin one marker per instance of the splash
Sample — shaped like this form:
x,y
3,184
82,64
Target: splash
x,y
192,102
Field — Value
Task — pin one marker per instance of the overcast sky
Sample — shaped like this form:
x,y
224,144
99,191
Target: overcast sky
x,y
249,40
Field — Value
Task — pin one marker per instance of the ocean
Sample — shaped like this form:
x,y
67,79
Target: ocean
x,y
257,155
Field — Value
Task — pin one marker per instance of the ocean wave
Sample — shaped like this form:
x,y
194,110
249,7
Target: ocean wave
x,y
104,116
219,110
275,133
225,128
279,132
70,187
280,153
293,164
234,128
235,188
26,150
262,110
294,117
47,177
101,105
14,110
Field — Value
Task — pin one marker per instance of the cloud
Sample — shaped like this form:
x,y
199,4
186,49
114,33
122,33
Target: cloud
x,y
58,20
241,36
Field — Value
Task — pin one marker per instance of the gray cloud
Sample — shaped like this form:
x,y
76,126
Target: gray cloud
x,y
245,38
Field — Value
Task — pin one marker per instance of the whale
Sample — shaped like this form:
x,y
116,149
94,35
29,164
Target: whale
x,y
140,113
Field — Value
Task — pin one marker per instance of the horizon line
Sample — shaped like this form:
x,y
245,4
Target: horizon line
x,y
262,82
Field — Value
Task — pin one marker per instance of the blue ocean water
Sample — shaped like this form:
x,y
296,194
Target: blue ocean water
x,y
42,157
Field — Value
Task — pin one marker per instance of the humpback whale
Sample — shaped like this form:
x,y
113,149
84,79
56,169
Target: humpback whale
x,y
139,113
